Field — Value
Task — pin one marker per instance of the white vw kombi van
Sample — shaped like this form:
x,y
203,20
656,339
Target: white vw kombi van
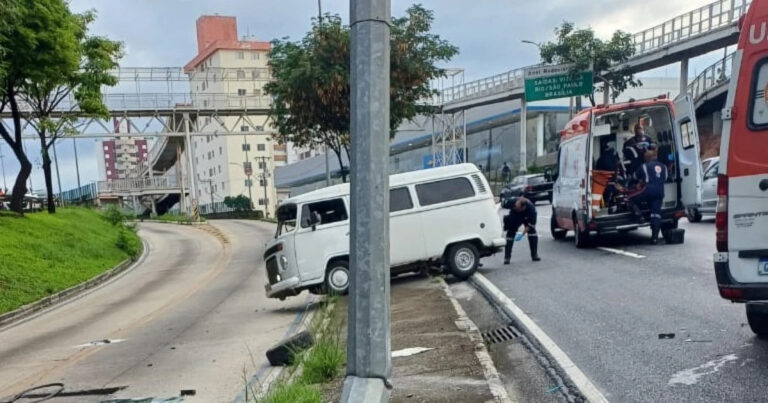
x,y
442,216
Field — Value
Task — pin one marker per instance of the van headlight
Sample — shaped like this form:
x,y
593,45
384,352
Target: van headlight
x,y
283,262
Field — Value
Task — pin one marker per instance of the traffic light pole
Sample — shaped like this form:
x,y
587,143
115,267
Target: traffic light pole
x,y
369,363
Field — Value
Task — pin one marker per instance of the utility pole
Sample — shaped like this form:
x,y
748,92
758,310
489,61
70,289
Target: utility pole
x,y
56,162
247,169
523,135
77,164
369,362
2,164
264,184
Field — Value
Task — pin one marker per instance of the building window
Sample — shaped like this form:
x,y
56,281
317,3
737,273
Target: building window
x,y
222,186
106,156
215,188
246,147
240,74
106,148
240,55
262,182
243,128
259,128
108,171
219,168
261,202
210,171
261,164
214,78
205,103
241,92
255,55
257,92
260,147
220,150
203,86
255,74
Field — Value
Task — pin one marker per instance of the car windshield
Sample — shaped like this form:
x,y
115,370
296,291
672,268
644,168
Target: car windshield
x,y
286,219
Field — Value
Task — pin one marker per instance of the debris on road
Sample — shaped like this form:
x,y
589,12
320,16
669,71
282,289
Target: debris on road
x,y
283,352
666,336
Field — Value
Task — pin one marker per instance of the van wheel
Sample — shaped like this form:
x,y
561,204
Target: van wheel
x,y
462,260
694,215
757,316
580,238
337,278
557,232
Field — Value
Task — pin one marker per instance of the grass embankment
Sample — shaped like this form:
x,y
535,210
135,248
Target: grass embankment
x,y
41,253
312,369
176,218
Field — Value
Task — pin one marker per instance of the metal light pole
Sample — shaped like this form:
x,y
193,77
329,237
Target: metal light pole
x,y
369,363
264,184
2,164
77,164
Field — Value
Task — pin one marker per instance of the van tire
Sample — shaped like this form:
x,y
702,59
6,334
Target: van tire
x,y
580,238
694,215
557,232
462,260
337,271
757,316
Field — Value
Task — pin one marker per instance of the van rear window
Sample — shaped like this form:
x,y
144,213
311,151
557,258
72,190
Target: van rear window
x,y
444,191
758,104
399,200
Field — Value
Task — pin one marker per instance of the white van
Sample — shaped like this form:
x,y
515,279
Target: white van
x,y
442,216
598,134
741,219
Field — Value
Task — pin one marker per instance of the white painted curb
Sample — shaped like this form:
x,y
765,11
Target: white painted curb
x,y
584,385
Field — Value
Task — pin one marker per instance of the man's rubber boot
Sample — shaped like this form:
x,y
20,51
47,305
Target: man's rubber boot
x,y
533,242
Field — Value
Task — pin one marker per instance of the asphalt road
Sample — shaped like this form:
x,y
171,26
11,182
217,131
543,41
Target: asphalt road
x,y
192,315
606,311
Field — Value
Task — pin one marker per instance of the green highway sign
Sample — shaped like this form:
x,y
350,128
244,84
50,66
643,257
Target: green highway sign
x,y
551,82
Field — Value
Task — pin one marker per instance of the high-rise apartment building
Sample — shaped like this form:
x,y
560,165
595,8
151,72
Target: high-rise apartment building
x,y
231,72
122,157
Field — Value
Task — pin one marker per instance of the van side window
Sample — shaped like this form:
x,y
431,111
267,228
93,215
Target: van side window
x,y
758,103
444,191
686,130
330,211
399,200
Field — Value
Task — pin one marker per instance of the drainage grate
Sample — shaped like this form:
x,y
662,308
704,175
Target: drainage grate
x,y
501,335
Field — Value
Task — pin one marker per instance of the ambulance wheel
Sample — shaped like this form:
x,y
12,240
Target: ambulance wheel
x,y
337,278
462,260
557,232
757,316
580,238
694,215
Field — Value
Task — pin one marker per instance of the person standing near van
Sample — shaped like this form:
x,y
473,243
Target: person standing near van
x,y
653,173
506,173
635,148
521,212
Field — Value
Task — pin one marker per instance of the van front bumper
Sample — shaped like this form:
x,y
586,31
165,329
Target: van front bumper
x,y
732,290
283,288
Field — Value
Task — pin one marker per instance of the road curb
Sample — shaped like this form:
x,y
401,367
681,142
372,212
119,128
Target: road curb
x,y
26,311
578,378
172,222
481,351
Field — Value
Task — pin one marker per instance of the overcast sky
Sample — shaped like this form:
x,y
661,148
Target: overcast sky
x,y
487,32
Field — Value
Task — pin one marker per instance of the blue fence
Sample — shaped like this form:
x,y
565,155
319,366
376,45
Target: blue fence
x,y
83,194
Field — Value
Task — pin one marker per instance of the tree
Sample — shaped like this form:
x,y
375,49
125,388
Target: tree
x,y
310,87
585,51
239,203
62,68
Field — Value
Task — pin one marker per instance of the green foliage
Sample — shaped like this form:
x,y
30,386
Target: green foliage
x,y
311,88
50,57
292,393
113,215
128,242
42,253
323,362
239,203
581,47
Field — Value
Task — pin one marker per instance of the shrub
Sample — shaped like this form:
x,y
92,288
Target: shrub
x,y
128,242
113,215
292,393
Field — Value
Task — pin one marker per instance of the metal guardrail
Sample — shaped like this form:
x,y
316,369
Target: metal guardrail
x,y
484,86
700,21
713,76
136,185
213,74
159,101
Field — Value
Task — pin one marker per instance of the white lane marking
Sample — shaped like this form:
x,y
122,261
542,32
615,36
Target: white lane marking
x,y
406,352
621,252
585,386
691,376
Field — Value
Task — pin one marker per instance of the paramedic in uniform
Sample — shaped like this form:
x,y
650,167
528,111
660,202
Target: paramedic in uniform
x,y
635,148
653,173
521,212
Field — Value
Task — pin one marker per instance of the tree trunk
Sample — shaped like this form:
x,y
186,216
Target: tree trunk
x,y
48,174
341,166
20,187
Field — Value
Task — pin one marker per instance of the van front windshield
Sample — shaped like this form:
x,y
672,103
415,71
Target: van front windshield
x,y
286,219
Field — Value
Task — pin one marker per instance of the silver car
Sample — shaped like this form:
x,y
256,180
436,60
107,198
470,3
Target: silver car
x,y
708,192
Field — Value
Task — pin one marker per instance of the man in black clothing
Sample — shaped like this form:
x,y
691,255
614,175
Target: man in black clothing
x,y
653,173
635,148
521,212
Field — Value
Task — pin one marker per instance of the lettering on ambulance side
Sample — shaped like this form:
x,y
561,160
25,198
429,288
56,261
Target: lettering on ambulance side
x,y
756,39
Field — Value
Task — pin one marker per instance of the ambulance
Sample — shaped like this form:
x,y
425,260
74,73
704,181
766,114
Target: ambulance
x,y
741,261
